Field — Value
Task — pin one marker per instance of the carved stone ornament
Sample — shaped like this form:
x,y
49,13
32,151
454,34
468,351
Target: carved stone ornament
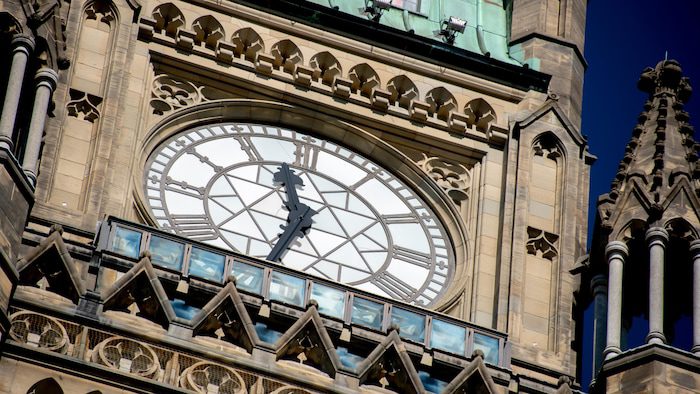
x,y
100,11
83,105
543,242
455,179
546,146
205,377
38,330
170,93
127,356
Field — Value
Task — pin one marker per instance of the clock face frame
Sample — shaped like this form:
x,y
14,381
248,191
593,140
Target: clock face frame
x,y
216,184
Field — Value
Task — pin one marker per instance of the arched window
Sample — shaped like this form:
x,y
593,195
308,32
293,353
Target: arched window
x,y
45,386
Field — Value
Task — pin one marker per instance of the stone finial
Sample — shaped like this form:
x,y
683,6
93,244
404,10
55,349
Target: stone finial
x,y
478,353
56,228
145,253
312,303
564,380
666,77
394,327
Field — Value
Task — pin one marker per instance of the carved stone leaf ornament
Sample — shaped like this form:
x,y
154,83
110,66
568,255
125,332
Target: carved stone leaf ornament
x,y
543,242
84,105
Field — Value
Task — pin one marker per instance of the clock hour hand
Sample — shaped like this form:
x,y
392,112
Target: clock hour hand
x,y
299,218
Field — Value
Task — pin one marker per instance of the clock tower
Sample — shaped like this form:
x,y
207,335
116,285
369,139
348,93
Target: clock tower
x,y
292,196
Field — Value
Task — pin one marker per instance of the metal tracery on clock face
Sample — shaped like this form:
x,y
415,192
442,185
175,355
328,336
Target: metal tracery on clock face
x,y
310,203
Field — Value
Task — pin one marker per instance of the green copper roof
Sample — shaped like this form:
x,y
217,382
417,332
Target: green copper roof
x,y
487,16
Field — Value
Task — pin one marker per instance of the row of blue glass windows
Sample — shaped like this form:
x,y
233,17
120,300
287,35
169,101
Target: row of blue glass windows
x,y
291,290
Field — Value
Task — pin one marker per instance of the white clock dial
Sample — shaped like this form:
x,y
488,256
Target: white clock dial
x,y
366,228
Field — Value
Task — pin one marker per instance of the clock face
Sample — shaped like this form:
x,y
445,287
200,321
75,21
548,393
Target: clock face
x,y
307,202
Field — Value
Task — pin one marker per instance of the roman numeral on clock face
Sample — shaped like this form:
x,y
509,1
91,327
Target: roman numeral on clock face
x,y
249,148
394,286
411,256
196,227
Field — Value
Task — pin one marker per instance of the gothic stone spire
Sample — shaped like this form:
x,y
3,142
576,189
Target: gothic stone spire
x,y
661,157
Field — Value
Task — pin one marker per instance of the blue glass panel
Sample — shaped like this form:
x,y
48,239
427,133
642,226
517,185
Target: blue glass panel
x,y
448,337
348,359
126,242
287,288
331,301
367,313
207,265
248,277
412,324
166,253
183,310
488,345
267,334
432,384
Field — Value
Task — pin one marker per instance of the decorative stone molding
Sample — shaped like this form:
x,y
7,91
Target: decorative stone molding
x,y
38,330
546,145
389,367
364,79
403,91
248,43
455,179
441,102
44,18
327,67
226,315
208,31
680,228
206,377
9,26
83,105
480,114
100,10
140,286
50,260
285,61
543,242
127,355
169,93
307,341
168,19
287,55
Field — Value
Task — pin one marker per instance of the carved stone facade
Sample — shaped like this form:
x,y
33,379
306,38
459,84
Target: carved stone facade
x,y
477,139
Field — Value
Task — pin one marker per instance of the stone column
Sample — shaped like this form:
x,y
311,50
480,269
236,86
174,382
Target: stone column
x,y
22,46
616,253
46,80
599,288
695,252
656,238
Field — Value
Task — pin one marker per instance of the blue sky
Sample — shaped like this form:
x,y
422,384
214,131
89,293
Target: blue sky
x,y
622,38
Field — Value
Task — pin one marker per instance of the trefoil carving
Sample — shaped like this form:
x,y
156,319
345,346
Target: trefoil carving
x,y
84,105
100,11
543,242
546,146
